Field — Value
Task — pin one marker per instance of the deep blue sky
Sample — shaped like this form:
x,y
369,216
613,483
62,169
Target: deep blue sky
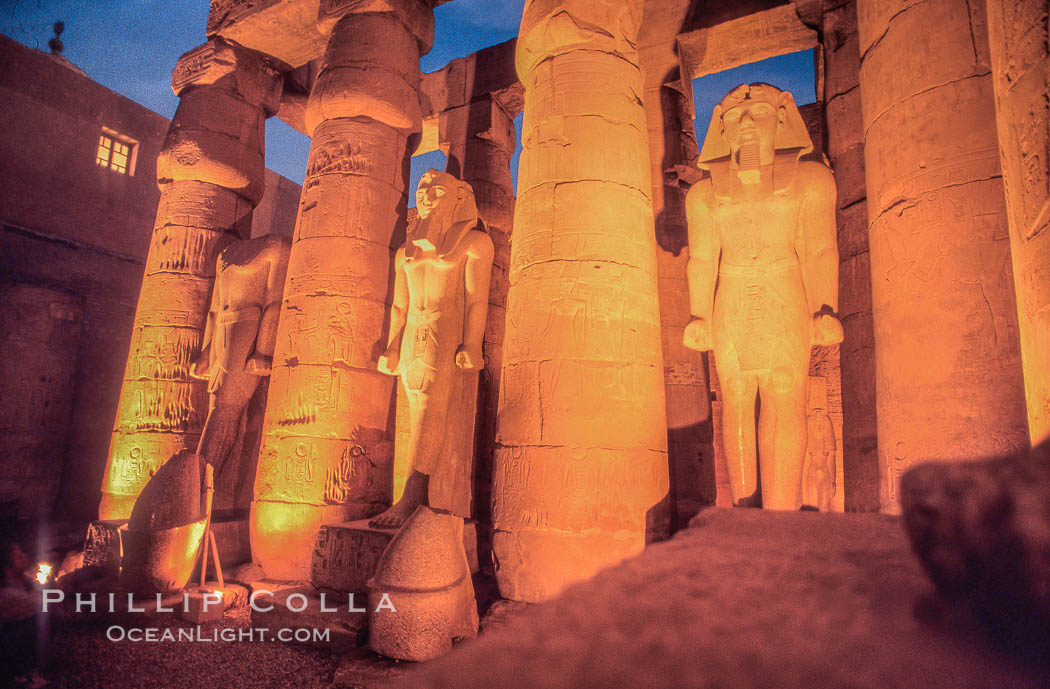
x,y
130,46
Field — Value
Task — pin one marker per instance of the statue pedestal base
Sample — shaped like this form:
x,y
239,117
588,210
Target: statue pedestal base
x,y
346,554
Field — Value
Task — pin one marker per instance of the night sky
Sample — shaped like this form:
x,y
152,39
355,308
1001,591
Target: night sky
x,y
131,46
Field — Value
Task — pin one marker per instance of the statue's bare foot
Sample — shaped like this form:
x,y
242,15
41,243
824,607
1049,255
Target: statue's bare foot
x,y
394,517
416,492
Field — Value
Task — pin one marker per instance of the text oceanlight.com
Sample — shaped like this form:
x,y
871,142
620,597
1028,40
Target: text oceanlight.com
x,y
227,634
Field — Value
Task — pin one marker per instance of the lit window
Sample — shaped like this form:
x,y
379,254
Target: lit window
x,y
116,152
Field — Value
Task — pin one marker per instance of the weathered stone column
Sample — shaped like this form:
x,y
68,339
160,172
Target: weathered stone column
x,y
948,373
478,140
211,177
582,433
845,139
327,451
1020,50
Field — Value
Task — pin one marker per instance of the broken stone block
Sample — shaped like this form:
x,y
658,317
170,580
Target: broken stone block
x,y
204,604
982,531
422,596
102,544
346,555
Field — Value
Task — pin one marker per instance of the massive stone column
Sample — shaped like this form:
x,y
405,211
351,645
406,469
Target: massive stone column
x,y
948,373
327,451
478,140
582,434
1020,51
845,148
211,177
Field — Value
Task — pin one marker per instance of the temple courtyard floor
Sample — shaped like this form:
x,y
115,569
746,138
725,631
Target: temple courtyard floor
x,y
741,598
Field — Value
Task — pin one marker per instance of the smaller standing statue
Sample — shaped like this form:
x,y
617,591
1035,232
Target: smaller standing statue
x,y
239,338
818,470
763,283
437,322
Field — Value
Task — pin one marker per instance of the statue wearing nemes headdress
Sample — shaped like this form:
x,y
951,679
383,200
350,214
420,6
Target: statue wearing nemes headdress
x,y
763,283
437,324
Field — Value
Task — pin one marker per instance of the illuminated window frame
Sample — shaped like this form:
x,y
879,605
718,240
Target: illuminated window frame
x,y
116,152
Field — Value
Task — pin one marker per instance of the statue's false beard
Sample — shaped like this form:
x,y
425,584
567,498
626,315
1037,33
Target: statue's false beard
x,y
749,161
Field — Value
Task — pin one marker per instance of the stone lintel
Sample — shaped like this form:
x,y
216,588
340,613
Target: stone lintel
x,y
736,42
284,29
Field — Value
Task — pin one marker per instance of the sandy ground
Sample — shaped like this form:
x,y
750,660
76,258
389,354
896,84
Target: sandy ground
x,y
83,657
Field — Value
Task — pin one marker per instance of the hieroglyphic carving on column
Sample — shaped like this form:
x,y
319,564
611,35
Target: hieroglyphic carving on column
x,y
327,449
581,436
949,382
210,173
1019,33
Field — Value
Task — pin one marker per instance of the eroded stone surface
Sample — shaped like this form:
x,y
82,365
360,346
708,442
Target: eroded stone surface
x,y
422,596
327,451
211,176
346,555
746,599
982,530
237,352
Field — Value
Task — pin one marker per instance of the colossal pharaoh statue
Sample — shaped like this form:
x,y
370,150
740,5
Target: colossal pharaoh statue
x,y
437,321
239,338
763,283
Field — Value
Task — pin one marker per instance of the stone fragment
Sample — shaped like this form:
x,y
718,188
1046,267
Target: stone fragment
x,y
171,498
982,532
422,596
102,544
